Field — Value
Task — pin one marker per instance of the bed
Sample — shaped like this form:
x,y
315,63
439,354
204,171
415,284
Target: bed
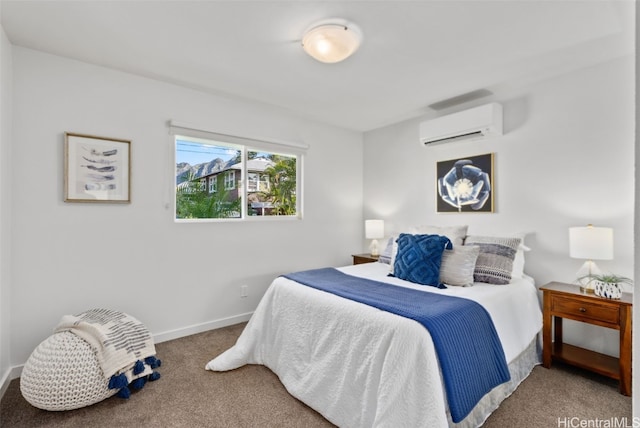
x,y
360,366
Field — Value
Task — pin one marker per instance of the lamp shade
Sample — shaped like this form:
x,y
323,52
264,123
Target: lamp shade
x,y
374,229
592,243
332,41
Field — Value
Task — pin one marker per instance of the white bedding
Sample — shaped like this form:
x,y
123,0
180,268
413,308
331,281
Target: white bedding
x,y
362,367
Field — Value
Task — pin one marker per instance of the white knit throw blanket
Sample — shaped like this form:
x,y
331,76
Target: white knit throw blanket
x,y
118,339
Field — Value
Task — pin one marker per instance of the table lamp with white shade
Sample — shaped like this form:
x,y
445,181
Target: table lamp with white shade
x,y
590,243
374,230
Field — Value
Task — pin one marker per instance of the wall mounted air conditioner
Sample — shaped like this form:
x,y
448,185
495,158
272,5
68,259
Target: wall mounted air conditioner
x,y
472,124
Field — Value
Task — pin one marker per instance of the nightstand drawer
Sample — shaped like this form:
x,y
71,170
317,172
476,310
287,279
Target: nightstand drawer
x,y
364,258
570,308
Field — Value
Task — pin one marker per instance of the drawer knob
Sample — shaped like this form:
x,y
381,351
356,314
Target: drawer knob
x,y
583,310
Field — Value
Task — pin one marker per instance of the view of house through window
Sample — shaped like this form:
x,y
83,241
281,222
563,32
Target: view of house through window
x,y
218,180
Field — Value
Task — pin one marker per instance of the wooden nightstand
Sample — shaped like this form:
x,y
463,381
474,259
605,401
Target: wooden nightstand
x,y
364,258
567,301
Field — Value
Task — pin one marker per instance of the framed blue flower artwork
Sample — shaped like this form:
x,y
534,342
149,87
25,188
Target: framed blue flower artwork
x,y
465,184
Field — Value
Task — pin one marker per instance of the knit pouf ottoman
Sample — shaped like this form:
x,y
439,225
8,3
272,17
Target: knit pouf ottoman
x,y
63,373
89,358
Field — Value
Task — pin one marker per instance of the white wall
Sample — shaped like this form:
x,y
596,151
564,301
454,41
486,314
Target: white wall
x,y
5,206
175,278
567,159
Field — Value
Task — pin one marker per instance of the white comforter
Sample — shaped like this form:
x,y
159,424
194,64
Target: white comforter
x,y
362,367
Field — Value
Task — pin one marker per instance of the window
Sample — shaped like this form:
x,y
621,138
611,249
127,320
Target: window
x,y
252,182
229,180
256,181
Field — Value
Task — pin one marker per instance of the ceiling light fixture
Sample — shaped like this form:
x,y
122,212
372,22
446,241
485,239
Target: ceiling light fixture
x,y
332,40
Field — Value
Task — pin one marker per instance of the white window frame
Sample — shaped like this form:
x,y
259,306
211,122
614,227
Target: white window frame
x,y
245,144
252,179
230,179
262,179
257,182
213,184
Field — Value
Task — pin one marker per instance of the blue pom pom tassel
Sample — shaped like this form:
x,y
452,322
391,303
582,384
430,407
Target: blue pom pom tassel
x,y
138,383
153,362
124,393
138,367
154,376
118,381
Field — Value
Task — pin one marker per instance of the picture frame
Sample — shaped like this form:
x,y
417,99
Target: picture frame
x,y
465,185
96,169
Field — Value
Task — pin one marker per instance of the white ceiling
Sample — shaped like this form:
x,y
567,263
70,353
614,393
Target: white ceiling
x,y
414,53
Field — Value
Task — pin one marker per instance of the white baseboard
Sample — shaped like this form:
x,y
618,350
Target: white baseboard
x,y
199,328
4,382
15,371
12,373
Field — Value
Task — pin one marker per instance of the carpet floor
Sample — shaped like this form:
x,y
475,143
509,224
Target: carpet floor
x,y
252,396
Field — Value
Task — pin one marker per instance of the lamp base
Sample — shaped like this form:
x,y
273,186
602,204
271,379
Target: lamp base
x,y
373,248
588,269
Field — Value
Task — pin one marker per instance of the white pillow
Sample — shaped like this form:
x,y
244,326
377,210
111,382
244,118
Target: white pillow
x,y
455,233
387,254
458,265
394,252
518,265
518,261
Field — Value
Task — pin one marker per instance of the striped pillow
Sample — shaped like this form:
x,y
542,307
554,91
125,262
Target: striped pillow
x,y
495,261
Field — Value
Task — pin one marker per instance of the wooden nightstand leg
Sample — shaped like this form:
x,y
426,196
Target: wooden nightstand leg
x,y
625,350
546,333
557,331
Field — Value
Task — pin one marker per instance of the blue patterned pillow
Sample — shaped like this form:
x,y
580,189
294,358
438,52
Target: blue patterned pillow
x,y
419,257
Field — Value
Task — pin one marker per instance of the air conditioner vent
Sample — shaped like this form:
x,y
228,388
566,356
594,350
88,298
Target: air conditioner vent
x,y
472,124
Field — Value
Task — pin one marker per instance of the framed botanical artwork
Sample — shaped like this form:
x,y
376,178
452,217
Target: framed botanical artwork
x,y
465,184
96,169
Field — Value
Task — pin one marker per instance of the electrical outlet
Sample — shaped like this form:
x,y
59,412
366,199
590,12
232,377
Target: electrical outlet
x,y
243,291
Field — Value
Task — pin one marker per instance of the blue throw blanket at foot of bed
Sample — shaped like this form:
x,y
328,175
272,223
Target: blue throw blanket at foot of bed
x,y
469,351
